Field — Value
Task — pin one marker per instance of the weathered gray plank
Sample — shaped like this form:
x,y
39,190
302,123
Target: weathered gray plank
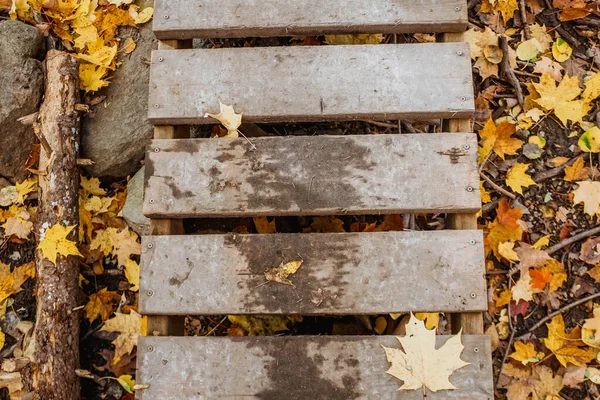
x,y
342,273
313,83
187,19
321,175
294,368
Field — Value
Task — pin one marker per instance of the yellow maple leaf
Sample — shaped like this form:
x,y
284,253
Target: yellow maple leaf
x,y
10,282
561,98
91,77
129,326
105,240
132,273
101,304
91,186
326,225
517,178
54,242
588,193
24,188
592,88
566,346
99,53
126,245
498,139
525,353
506,7
229,119
432,320
507,251
419,363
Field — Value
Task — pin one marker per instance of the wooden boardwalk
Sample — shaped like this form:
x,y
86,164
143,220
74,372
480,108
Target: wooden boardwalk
x,y
351,273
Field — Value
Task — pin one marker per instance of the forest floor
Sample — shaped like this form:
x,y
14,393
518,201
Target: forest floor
x,y
537,85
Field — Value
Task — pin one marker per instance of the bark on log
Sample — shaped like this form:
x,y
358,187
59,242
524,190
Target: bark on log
x,y
57,325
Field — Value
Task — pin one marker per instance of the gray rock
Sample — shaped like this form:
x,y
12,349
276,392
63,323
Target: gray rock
x,y
21,94
132,211
116,133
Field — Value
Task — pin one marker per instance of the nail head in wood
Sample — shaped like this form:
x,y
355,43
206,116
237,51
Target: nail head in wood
x,y
470,189
473,295
150,348
150,293
160,59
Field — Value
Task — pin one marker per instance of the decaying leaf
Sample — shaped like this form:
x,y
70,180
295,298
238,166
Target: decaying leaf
x,y
129,326
281,273
420,363
101,304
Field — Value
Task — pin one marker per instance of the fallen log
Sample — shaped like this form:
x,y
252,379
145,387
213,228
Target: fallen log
x,y
56,331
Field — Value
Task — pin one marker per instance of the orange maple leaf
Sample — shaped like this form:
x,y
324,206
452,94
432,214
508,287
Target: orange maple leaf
x,y
539,279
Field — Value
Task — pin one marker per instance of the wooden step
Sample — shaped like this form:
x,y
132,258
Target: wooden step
x,y
294,368
312,175
342,273
312,83
187,19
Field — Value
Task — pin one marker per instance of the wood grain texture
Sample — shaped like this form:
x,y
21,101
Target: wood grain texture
x,y
313,83
181,19
294,368
342,273
322,175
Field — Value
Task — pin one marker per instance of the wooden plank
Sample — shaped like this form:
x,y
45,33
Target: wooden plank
x,y
342,273
295,368
313,83
181,19
165,325
471,323
322,175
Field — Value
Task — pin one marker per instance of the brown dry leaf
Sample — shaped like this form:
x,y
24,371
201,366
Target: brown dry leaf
x,y
360,38
101,304
281,273
419,364
590,251
545,385
18,225
577,171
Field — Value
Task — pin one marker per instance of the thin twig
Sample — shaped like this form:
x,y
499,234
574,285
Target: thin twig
x,y
496,187
573,239
508,72
524,19
562,310
551,173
